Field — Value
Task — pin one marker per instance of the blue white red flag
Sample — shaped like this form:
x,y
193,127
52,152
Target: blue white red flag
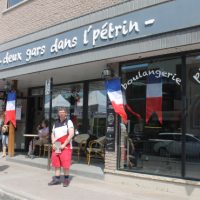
x,y
114,92
154,97
10,108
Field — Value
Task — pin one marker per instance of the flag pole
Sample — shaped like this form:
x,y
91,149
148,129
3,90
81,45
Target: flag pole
x,y
11,140
50,124
11,135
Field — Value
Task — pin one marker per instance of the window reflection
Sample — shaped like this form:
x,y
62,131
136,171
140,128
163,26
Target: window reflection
x,y
11,3
192,140
153,95
70,97
97,109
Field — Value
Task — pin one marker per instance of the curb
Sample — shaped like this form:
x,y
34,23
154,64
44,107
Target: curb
x,y
6,195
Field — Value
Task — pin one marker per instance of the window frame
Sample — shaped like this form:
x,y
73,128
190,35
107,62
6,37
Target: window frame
x,y
10,5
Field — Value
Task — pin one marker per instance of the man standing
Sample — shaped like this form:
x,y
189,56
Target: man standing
x,y
62,133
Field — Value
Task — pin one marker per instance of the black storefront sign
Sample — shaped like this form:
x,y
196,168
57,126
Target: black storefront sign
x,y
110,129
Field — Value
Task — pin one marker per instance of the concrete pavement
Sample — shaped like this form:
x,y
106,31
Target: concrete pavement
x,y
19,181
95,170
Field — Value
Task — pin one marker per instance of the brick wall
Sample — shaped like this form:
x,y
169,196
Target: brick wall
x,y
34,15
111,157
110,161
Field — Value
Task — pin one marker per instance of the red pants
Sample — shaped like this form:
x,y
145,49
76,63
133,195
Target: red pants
x,y
62,159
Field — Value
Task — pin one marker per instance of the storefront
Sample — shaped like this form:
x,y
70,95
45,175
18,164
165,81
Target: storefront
x,y
162,135
157,59
85,102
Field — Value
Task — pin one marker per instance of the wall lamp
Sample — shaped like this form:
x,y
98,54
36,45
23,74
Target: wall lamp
x,y
7,85
107,73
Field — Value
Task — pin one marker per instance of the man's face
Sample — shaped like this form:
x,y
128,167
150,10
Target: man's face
x,y
62,114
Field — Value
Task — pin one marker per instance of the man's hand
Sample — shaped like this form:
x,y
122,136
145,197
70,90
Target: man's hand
x,y
54,147
63,146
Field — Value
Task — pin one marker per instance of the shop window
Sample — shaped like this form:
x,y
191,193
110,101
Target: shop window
x,y
71,97
2,101
192,140
11,3
151,142
37,91
97,109
166,137
35,110
195,115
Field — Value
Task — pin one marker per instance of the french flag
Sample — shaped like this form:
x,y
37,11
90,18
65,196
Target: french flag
x,y
10,108
154,97
114,92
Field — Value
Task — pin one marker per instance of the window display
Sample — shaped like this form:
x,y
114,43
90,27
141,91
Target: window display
x,y
150,142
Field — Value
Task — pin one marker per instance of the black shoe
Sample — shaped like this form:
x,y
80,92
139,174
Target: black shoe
x,y
66,182
54,182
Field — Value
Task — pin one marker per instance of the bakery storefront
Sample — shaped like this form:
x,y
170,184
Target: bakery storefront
x,y
162,97
157,59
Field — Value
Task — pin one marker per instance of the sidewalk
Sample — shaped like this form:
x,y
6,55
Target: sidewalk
x,y
21,181
95,170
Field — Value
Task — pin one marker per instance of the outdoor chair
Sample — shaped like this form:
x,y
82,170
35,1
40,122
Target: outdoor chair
x,y
38,149
96,149
81,142
46,146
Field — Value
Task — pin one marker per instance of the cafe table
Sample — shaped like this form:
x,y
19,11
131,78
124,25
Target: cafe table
x,y
30,136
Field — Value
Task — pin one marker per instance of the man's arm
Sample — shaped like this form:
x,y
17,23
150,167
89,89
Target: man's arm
x,y
67,141
53,140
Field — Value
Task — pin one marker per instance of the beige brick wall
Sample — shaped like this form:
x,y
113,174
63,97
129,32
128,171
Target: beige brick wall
x,y
34,15
111,161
